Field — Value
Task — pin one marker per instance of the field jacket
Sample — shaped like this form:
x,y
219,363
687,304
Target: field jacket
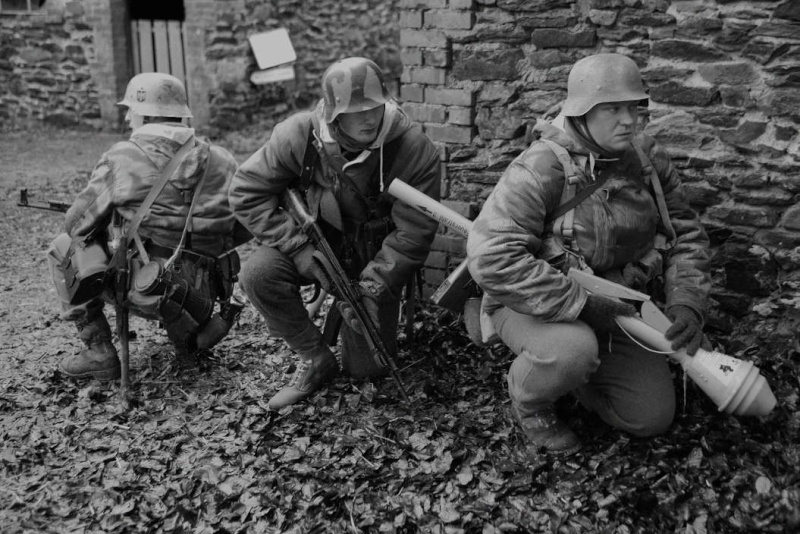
x,y
615,225
341,192
128,170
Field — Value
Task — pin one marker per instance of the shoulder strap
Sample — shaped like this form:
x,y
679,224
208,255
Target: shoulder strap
x,y
166,173
569,197
310,157
651,176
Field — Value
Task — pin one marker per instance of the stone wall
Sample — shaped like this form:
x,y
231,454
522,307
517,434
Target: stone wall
x,y
45,74
321,32
724,78
69,63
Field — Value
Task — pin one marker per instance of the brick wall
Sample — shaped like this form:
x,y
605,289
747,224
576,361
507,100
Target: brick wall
x,y
723,76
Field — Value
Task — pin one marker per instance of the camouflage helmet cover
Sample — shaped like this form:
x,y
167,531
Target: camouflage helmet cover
x,y
352,85
602,78
156,94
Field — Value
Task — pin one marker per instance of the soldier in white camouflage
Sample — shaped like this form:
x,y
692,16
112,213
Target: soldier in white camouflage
x,y
207,263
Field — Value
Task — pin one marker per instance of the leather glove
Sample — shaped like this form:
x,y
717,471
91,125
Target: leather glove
x,y
686,330
599,312
370,303
309,267
631,275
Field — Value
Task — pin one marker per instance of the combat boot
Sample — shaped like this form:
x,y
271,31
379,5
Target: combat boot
x,y
545,430
99,358
311,374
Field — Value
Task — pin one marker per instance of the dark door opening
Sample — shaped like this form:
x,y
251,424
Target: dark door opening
x,y
158,37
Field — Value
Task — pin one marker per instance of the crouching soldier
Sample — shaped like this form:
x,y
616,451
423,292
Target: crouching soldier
x,y
340,157
162,194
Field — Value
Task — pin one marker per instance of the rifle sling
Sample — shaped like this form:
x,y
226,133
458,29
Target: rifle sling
x,y
120,254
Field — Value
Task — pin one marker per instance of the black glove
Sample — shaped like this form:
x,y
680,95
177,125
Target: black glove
x,y
686,330
309,267
599,312
370,303
631,275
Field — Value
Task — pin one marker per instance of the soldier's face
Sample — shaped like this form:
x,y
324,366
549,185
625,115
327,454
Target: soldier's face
x,y
613,124
362,125
134,120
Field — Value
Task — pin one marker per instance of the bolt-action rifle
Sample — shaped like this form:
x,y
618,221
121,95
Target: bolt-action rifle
x,y
121,282
342,285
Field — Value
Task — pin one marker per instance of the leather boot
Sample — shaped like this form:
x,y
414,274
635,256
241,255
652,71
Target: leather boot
x,y
99,358
545,430
311,374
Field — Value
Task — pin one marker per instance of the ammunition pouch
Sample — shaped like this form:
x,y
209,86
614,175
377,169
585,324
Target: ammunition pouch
x,y
560,257
85,268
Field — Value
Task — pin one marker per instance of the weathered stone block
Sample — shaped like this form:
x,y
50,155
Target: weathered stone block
x,y
426,112
683,95
410,19
411,56
744,133
742,215
436,57
425,75
449,20
412,93
453,97
734,73
687,51
423,38
449,133
547,38
486,64
463,116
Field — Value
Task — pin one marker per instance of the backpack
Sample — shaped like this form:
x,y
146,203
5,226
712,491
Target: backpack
x,y
560,249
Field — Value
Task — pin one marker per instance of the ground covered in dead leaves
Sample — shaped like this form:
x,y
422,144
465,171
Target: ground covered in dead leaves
x,y
199,452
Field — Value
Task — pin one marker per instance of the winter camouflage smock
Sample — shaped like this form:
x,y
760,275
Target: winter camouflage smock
x,y
128,170
341,191
615,225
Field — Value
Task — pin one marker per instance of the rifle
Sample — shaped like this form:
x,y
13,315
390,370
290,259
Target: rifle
x,y
121,282
343,286
50,205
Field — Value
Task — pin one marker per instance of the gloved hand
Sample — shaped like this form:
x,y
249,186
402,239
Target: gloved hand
x,y
631,275
686,330
349,314
599,312
309,267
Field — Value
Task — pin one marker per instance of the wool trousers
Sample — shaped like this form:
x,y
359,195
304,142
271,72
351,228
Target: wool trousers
x,y
628,386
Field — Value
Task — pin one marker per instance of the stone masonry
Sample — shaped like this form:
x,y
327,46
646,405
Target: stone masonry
x,y
725,86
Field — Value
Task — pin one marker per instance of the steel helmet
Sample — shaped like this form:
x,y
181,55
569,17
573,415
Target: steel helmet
x,y
351,85
155,94
602,78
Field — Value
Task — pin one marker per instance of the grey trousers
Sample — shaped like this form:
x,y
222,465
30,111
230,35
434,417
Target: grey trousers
x,y
272,283
628,386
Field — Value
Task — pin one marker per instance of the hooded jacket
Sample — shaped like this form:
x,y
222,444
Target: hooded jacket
x,y
341,190
615,225
128,170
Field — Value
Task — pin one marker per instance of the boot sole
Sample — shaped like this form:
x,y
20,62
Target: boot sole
x,y
103,376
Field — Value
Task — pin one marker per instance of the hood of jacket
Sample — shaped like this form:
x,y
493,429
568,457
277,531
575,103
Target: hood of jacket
x,y
160,141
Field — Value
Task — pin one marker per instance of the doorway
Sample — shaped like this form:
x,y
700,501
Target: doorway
x,y
158,38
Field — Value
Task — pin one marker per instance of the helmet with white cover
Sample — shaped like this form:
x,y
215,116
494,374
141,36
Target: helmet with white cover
x,y
156,94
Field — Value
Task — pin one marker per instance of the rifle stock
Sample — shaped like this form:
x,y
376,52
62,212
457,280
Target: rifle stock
x,y
342,284
50,205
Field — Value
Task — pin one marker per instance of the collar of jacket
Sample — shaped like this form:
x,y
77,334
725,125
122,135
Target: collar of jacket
x,y
175,132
